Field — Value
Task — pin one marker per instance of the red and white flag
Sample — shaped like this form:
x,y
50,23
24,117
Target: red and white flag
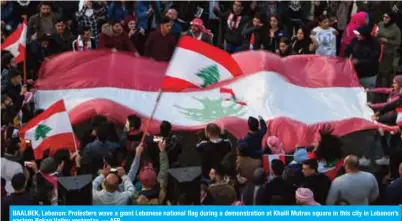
x,y
16,43
298,95
49,130
196,64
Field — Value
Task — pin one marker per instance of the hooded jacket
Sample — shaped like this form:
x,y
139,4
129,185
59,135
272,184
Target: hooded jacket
x,y
356,22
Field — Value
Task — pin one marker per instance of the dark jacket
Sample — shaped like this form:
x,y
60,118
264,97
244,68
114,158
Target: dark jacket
x,y
13,91
301,47
159,47
247,33
15,199
249,190
394,193
272,44
116,12
254,141
60,43
233,36
319,184
212,154
205,38
279,187
34,25
367,53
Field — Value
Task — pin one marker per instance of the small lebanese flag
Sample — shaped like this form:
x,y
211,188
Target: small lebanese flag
x,y
49,130
399,116
330,170
267,159
196,64
229,95
16,42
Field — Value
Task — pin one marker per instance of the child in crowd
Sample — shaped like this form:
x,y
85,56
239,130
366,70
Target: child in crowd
x,y
325,37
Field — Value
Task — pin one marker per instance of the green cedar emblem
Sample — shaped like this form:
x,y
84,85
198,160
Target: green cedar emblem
x,y
210,75
41,131
211,110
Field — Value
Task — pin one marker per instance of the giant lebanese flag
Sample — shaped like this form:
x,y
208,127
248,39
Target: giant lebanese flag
x,y
298,95
16,43
49,130
196,64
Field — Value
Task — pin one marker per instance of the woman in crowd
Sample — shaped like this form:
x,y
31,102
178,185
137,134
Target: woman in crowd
x,y
137,36
390,37
393,93
273,34
284,47
357,21
302,43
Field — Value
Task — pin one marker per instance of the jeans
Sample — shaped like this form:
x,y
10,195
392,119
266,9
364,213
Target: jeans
x,y
368,82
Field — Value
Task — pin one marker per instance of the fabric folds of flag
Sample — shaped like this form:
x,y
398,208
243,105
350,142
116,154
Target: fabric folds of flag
x,y
196,64
50,130
16,43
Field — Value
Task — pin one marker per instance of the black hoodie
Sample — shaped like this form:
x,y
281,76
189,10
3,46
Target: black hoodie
x,y
367,53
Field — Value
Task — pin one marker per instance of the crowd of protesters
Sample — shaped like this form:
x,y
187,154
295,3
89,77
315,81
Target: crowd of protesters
x,y
126,171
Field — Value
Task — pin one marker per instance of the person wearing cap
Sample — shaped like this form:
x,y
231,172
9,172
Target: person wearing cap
x,y
366,64
293,172
62,39
114,37
305,196
389,35
198,31
355,187
153,185
42,23
160,44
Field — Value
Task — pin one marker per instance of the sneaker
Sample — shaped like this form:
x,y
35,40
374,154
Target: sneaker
x,y
364,161
382,161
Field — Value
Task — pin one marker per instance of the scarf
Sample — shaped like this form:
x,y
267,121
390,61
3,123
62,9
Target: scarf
x,y
52,179
252,41
233,21
83,46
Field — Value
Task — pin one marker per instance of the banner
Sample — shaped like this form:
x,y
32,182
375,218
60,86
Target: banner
x,y
178,213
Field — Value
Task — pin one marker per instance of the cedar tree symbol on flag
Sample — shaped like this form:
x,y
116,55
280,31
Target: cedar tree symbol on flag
x,y
41,131
210,75
211,110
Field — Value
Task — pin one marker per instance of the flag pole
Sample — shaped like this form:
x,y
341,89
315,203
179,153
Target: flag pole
x,y
151,117
25,69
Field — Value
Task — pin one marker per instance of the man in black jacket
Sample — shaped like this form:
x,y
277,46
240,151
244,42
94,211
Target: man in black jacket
x,y
213,149
235,22
257,130
316,182
14,89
